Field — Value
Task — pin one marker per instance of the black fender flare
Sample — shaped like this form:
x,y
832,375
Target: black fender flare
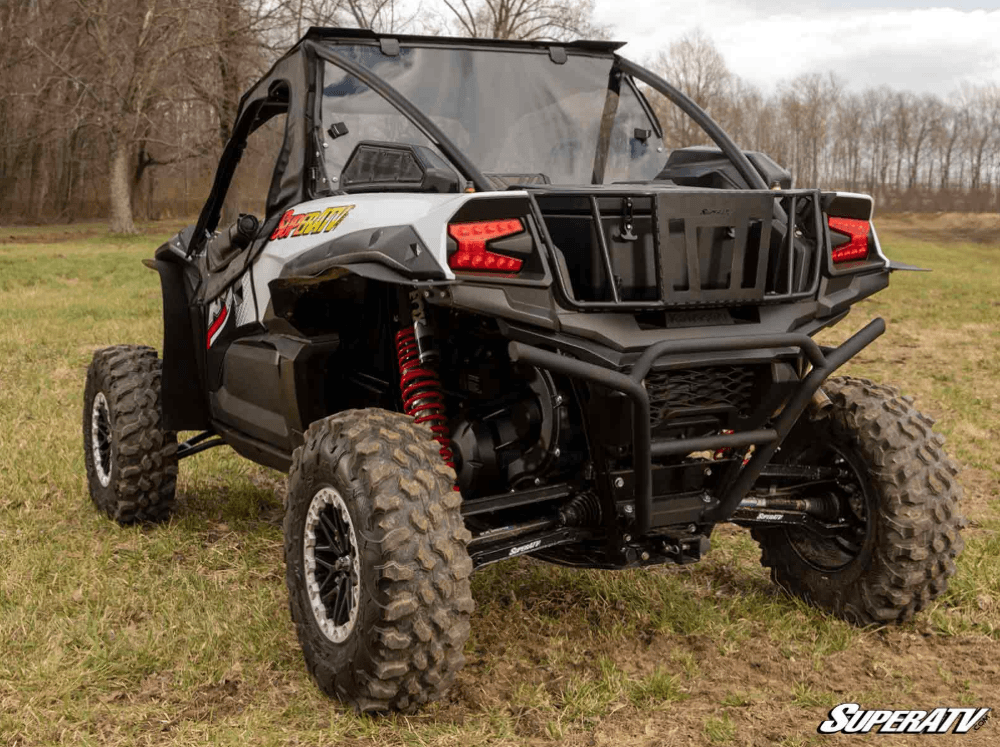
x,y
183,397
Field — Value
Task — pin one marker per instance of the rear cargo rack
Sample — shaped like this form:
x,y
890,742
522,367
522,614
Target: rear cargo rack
x,y
690,247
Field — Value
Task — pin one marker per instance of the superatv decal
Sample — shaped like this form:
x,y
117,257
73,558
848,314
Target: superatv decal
x,y
307,224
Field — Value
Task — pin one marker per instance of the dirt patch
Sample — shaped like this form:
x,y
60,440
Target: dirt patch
x,y
981,494
75,232
980,228
71,233
762,695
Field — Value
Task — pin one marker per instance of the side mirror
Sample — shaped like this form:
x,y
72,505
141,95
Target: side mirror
x,y
227,244
396,167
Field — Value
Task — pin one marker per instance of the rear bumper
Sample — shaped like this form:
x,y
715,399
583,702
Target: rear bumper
x,y
824,362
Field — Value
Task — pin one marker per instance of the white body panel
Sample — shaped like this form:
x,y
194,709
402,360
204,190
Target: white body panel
x,y
428,214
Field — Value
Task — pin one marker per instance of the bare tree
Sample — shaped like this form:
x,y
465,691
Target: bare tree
x,y
561,20
378,15
927,113
121,107
983,107
952,127
849,137
901,123
117,72
695,66
808,103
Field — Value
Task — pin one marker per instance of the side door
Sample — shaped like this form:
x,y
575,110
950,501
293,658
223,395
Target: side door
x,y
231,310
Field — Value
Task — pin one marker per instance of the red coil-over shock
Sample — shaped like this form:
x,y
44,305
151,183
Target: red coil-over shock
x,y
423,398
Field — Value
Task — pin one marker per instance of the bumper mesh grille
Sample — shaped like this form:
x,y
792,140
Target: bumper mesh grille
x,y
683,392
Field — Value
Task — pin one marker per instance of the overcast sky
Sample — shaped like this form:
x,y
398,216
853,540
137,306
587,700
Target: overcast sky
x,y
919,46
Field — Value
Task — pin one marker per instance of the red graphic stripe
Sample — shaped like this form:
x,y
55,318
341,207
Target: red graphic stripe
x,y
216,326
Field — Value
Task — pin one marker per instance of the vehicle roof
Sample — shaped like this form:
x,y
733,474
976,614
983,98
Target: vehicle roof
x,y
353,36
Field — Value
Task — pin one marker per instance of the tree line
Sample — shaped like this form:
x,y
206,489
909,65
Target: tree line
x,y
911,152
120,108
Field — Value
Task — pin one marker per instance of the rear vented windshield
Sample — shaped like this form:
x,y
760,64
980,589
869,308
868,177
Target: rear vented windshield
x,y
511,113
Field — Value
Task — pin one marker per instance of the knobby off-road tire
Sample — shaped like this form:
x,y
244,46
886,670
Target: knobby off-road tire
x,y
397,641
912,515
131,459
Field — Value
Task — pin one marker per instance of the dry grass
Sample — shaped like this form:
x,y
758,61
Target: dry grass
x,y
946,228
180,635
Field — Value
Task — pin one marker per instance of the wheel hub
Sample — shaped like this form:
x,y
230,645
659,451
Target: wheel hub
x,y
855,509
100,438
333,578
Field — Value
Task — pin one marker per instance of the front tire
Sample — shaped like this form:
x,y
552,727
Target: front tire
x,y
900,505
376,561
131,459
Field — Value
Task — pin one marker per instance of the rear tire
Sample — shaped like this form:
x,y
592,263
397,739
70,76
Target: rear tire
x,y
904,491
131,460
376,561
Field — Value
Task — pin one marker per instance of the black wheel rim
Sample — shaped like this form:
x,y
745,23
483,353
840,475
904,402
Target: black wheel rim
x,y
332,564
853,532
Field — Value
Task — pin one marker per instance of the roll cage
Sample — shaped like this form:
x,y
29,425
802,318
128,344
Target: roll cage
x,y
292,86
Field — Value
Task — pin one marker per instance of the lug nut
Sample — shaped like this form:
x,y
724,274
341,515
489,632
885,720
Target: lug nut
x,y
619,482
627,537
645,555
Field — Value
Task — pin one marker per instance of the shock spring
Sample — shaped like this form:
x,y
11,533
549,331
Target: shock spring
x,y
423,398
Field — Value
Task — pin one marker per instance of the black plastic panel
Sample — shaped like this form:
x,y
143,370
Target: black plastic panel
x,y
272,387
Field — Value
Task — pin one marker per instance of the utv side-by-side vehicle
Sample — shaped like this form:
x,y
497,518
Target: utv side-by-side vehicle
x,y
486,312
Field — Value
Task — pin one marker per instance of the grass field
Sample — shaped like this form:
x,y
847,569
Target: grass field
x,y
180,634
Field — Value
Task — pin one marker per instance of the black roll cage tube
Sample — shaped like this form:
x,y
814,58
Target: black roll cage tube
x,y
700,116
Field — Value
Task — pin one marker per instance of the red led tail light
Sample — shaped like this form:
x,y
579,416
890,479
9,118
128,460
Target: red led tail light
x,y
856,247
472,253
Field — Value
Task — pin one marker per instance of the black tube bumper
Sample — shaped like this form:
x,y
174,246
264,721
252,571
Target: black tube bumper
x,y
766,441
